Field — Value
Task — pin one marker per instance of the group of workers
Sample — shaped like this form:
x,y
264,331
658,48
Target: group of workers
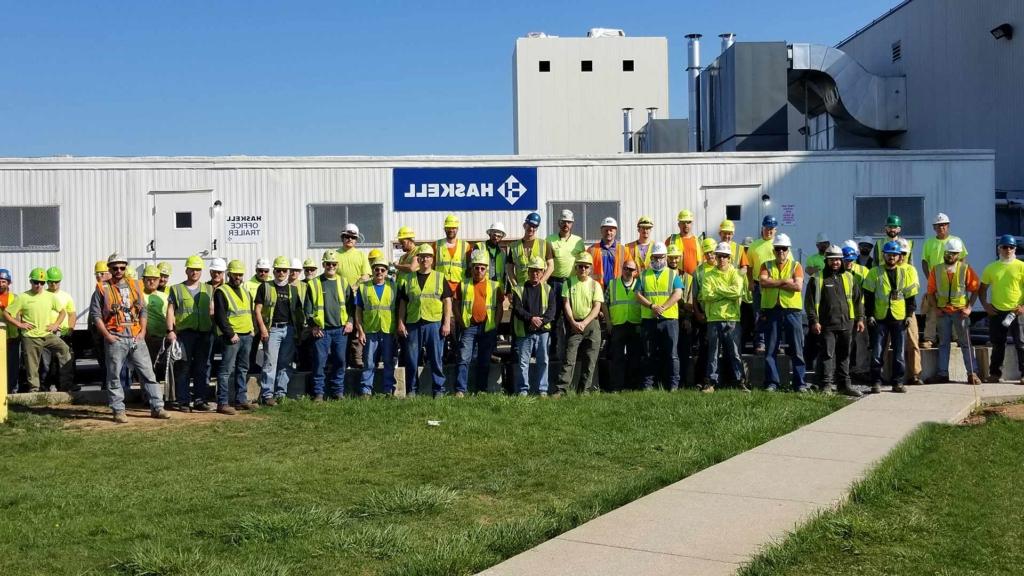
x,y
654,307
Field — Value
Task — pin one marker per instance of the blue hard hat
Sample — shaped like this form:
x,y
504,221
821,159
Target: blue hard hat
x,y
769,222
5,274
1007,240
892,247
532,219
849,254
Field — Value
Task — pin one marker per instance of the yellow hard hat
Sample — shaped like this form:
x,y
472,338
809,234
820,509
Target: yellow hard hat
x,y
673,250
375,254
165,268
727,226
100,266
480,257
451,221
129,272
425,248
406,232
195,262
379,261
685,216
707,245
282,262
537,263
585,258
330,256
309,263
236,267
645,222
151,272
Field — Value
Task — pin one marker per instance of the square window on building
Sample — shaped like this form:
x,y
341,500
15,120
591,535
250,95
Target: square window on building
x,y
544,66
325,221
733,211
183,220
627,65
29,228
587,215
586,66
871,212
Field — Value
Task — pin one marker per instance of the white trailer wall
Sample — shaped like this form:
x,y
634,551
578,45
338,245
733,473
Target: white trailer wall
x,y
106,205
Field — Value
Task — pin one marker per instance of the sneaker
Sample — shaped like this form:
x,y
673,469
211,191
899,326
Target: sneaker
x,y
973,380
851,392
269,402
225,409
771,388
161,414
245,406
914,382
543,394
994,378
320,398
898,388
120,417
803,390
936,379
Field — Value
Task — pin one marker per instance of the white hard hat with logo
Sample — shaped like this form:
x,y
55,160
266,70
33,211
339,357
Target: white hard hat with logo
x,y
497,227
941,218
954,245
782,240
609,222
567,216
659,249
263,264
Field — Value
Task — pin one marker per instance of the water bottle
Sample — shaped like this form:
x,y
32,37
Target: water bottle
x,y
1008,319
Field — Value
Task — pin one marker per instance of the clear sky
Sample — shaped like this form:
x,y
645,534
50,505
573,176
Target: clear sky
x,y
186,77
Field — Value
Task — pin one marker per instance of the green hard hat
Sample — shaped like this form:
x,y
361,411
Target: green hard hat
x,y
236,267
37,274
310,263
195,262
151,271
894,221
282,262
53,274
164,268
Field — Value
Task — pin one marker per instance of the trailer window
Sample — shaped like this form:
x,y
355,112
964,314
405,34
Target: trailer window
x,y
29,228
871,212
588,217
325,222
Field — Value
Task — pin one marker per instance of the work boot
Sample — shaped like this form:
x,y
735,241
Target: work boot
x,y
202,407
915,381
994,378
876,387
245,406
318,398
182,408
850,391
1020,382
120,417
269,402
936,379
226,410
708,388
927,344
160,414
828,389
460,394
898,388
973,379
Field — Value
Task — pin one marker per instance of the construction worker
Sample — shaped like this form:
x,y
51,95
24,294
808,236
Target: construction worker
x,y
659,293
481,311
865,252
424,320
309,270
532,313
952,290
495,253
329,312
39,316
1002,295
912,347
860,352
278,311
816,262
607,254
156,320
165,276
190,322
13,335
54,278
218,268
565,247
121,317
889,302
722,289
295,277
407,262
781,280
353,263
583,297
375,326
451,255
738,253
834,312
893,227
232,315
673,257
523,251
251,285
639,250
759,252
696,316
687,241
625,346
306,356
101,274
933,255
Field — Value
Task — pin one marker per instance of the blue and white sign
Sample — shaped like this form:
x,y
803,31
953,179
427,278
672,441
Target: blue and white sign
x,y
464,189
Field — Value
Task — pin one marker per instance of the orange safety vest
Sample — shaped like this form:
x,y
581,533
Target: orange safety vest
x,y
116,317
633,251
598,268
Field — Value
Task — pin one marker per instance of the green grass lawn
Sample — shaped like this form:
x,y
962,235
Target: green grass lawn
x,y
357,487
949,501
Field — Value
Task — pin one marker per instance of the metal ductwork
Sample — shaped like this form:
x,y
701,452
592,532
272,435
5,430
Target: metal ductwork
x,y
860,102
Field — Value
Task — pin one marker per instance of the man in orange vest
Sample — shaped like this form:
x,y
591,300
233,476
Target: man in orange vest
x,y
687,242
608,254
120,313
639,250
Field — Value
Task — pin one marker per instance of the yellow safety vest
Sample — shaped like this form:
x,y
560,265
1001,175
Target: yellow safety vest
x,y
522,258
954,294
189,313
772,296
425,303
468,296
316,295
378,313
239,309
658,289
623,306
518,326
878,282
847,278
496,271
453,268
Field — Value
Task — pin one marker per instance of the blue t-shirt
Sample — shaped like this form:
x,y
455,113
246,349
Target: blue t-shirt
x,y
378,288
608,261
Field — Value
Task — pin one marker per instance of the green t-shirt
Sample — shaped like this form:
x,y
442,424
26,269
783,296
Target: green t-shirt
x,y
816,260
156,314
67,304
935,249
760,251
1006,283
35,309
352,265
582,296
565,252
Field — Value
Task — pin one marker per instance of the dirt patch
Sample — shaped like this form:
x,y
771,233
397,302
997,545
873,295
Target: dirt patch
x,y
79,417
1012,411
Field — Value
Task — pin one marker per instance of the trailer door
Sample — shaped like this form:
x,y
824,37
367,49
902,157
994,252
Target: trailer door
x,y
741,204
182,224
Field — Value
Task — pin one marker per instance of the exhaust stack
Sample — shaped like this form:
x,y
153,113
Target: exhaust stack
x,y
693,73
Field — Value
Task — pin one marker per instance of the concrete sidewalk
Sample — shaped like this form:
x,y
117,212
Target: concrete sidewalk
x,y
717,519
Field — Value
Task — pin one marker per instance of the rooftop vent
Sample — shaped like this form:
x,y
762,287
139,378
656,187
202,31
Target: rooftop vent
x,y
605,33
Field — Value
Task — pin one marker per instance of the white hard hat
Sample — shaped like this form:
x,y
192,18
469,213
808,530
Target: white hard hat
x,y
351,228
865,240
954,245
659,249
218,265
850,244
941,218
609,221
497,227
296,264
822,237
904,246
566,216
782,240
723,248
263,264
833,251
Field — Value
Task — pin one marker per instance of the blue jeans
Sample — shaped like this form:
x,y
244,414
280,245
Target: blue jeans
x,y
234,367
424,335
947,323
124,352
527,347
723,334
331,346
379,347
484,342
784,323
893,331
193,368
661,337
279,349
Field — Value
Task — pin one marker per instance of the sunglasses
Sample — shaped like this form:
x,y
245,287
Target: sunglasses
x,y
280,270
37,282
582,266
721,255
629,269
330,264
349,237
531,226
781,249
117,268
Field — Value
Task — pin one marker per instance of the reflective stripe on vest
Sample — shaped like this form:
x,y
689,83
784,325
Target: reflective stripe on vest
x,y
623,306
239,308
658,289
633,252
518,326
954,294
468,296
847,280
452,267
316,295
521,257
772,296
883,304
192,313
270,295
378,313
425,303
118,318
597,254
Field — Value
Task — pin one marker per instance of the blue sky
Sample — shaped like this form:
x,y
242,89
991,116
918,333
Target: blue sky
x,y
134,78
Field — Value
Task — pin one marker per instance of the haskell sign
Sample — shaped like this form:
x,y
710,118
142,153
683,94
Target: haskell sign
x,y
243,229
464,189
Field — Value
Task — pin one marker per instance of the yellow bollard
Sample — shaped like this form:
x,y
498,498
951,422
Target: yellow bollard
x,y
3,376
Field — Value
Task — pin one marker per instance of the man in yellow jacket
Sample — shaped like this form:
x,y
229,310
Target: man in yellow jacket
x,y
721,291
